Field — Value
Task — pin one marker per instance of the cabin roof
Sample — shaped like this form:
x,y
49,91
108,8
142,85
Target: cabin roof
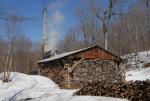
x,y
66,54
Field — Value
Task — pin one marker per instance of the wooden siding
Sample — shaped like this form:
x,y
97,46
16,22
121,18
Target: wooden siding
x,y
96,53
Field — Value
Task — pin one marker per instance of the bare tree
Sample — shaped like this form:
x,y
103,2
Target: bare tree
x,y
105,15
12,24
84,27
70,42
147,3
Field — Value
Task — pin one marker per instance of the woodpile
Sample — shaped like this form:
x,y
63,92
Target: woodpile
x,y
59,76
55,74
147,64
97,70
134,91
86,71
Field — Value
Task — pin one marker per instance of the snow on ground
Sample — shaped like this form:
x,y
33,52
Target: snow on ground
x,y
135,66
141,56
136,61
38,88
138,74
25,84
77,98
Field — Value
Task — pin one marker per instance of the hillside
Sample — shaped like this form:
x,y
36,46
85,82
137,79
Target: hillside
x,y
136,61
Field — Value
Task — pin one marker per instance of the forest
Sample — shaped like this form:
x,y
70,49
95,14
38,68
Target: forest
x,y
121,27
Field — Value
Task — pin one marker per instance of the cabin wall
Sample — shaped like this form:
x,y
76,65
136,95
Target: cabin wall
x,y
96,53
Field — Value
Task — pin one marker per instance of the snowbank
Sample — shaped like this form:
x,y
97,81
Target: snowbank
x,y
38,88
23,85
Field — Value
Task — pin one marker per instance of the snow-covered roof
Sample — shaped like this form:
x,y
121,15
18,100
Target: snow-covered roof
x,y
62,55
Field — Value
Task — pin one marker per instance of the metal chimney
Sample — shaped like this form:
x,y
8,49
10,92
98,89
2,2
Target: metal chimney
x,y
44,11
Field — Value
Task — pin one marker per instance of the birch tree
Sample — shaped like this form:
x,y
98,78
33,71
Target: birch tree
x,y
12,27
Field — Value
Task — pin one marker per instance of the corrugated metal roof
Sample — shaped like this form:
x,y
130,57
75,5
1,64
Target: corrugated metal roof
x,y
62,55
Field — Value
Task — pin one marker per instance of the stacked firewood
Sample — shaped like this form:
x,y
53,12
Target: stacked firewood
x,y
59,76
134,91
87,71
55,74
96,70
147,64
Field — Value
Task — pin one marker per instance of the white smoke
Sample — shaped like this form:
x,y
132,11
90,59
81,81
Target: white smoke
x,y
54,22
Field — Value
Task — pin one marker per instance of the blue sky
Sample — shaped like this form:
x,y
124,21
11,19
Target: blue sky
x,y
33,8
63,10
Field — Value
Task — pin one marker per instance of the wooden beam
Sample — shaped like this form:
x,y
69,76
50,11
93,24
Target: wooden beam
x,y
75,65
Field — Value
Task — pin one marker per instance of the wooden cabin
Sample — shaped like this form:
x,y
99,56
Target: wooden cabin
x,y
56,67
94,52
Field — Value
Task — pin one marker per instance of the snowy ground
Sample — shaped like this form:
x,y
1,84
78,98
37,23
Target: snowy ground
x,y
38,88
138,74
136,61
135,66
